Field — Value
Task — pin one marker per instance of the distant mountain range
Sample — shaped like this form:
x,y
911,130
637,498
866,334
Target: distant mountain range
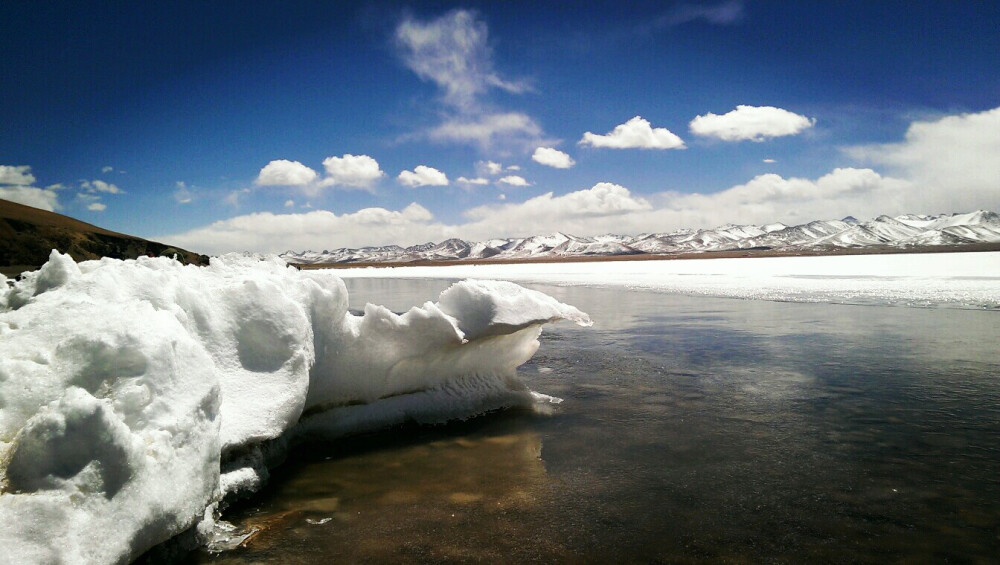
x,y
907,232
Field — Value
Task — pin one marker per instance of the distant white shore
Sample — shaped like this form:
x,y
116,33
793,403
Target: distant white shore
x,y
957,280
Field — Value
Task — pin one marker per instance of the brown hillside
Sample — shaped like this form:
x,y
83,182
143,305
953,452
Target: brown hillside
x,y
28,235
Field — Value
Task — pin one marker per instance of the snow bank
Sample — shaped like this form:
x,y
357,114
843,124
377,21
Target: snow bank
x,y
135,394
953,280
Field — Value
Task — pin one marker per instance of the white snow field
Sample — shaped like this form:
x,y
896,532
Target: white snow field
x,y
126,385
954,280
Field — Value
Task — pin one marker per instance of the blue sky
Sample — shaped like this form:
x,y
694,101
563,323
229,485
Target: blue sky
x,y
268,126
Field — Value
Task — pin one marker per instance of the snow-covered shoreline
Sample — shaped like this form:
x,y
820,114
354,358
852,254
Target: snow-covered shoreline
x,y
954,280
135,395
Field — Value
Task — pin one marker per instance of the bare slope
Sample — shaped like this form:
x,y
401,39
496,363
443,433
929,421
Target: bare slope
x,y
28,235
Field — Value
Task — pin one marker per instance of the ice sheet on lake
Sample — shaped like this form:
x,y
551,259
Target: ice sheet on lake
x,y
958,280
125,386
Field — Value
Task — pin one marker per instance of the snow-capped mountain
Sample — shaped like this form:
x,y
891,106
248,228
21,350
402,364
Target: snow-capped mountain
x,y
906,231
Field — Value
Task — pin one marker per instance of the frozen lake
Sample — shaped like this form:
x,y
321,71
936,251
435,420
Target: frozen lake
x,y
693,429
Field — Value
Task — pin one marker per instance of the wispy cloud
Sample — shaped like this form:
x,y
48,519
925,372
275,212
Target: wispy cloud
x,y
723,14
454,53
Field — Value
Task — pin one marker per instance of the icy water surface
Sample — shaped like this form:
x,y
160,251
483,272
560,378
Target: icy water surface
x,y
693,430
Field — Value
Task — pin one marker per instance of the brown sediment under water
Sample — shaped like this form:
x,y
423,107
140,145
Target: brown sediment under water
x,y
692,430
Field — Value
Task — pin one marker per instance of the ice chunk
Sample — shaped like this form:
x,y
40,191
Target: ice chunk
x,y
135,394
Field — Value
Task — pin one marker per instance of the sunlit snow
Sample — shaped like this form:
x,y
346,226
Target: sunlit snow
x,y
956,280
134,395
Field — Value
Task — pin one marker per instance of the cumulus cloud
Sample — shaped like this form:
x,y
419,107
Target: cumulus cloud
x,y
107,169
17,175
608,207
769,160
41,198
354,171
423,175
513,180
289,203
95,186
605,203
282,172
938,167
96,207
316,230
754,123
951,161
636,133
349,171
552,158
477,181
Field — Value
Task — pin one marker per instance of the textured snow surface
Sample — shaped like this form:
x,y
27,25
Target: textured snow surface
x,y
954,280
135,394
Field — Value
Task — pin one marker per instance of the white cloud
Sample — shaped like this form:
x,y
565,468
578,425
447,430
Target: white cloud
x,y
453,52
234,197
107,169
477,181
636,133
182,195
355,171
289,203
513,180
492,168
603,205
770,161
316,230
508,129
96,207
282,172
754,123
18,175
95,186
423,175
552,158
951,161
770,197
44,199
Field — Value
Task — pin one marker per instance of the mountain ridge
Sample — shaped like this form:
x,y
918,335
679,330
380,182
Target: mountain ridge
x,y
905,232
28,235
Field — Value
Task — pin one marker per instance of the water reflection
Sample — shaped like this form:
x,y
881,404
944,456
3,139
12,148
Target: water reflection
x,y
693,430
455,493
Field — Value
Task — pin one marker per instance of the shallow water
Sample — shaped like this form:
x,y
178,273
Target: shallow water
x,y
693,430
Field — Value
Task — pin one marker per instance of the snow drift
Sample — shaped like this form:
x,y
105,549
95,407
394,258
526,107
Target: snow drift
x,y
134,395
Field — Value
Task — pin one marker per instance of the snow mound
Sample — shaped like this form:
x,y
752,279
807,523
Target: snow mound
x,y
134,395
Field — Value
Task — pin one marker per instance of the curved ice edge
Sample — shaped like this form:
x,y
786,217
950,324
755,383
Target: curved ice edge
x,y
248,470
162,373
